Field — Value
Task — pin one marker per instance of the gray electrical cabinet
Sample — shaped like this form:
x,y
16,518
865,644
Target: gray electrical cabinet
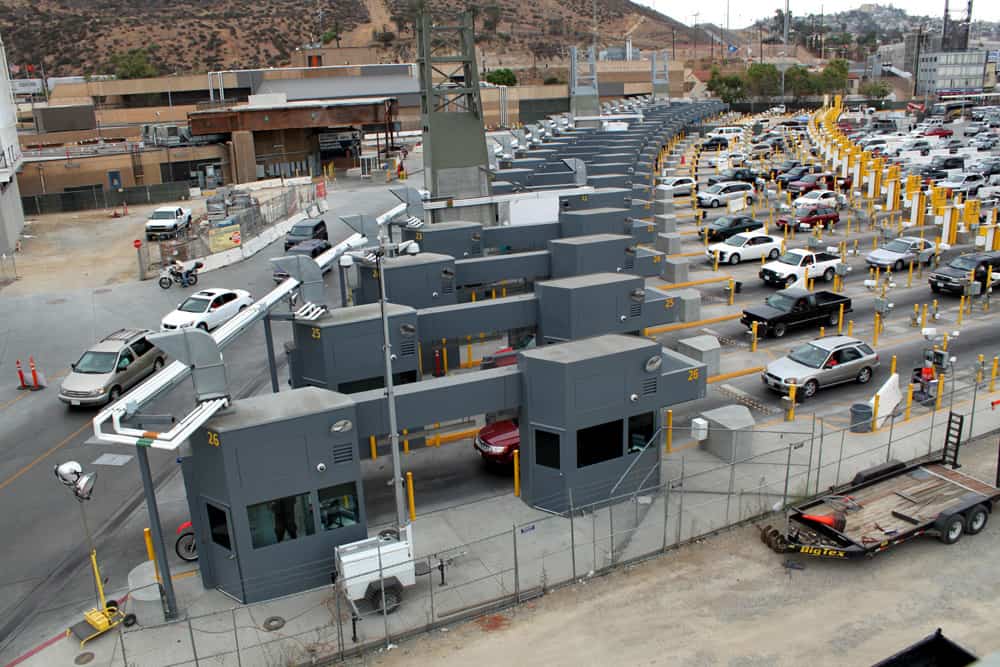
x,y
642,231
588,254
420,281
274,484
591,408
458,239
643,261
593,221
341,349
593,304
519,238
599,198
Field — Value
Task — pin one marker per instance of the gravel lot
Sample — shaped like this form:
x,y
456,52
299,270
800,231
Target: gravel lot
x,y
729,601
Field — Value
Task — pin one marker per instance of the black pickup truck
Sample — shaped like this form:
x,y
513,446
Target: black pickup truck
x,y
789,308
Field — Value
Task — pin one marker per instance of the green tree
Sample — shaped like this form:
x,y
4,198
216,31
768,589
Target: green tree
x,y
834,77
502,77
133,64
762,80
799,82
875,90
332,35
729,88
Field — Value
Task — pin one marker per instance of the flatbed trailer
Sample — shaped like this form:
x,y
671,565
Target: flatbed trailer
x,y
883,507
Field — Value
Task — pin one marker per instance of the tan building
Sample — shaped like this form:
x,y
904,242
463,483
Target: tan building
x,y
319,56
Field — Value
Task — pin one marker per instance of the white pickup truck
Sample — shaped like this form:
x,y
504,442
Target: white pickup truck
x,y
796,264
167,222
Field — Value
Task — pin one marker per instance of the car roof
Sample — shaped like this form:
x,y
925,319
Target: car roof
x,y
166,208
116,340
831,343
308,245
210,292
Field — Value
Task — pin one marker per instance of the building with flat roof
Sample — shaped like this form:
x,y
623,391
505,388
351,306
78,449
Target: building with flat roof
x,y
951,71
11,213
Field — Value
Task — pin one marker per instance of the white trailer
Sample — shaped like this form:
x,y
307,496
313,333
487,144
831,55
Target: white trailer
x,y
377,569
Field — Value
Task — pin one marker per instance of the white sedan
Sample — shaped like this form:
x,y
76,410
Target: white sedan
x,y
746,245
735,159
677,185
820,198
207,309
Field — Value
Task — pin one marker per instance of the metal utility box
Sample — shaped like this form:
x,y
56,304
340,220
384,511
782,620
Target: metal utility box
x,y
588,305
519,238
619,180
420,281
588,254
599,198
273,485
593,221
642,231
643,261
458,239
341,349
590,409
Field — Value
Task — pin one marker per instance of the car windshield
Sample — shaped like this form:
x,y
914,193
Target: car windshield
x,y
194,305
809,355
810,178
803,211
963,263
162,215
938,162
715,188
96,363
724,221
897,246
780,301
301,230
736,241
790,258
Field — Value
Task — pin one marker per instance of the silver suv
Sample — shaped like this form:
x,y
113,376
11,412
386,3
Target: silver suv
x,y
110,367
822,363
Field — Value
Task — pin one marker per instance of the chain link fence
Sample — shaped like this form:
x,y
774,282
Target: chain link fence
x,y
94,198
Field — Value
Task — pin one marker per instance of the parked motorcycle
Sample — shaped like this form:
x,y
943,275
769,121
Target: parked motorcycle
x,y
186,546
172,273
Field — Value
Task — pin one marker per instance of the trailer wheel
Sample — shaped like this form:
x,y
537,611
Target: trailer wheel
x,y
393,597
953,528
976,521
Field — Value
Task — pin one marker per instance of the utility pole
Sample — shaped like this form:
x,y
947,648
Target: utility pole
x,y
916,58
673,44
760,36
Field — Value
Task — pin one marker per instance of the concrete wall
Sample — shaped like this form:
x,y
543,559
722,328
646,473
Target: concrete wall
x,y
11,216
345,55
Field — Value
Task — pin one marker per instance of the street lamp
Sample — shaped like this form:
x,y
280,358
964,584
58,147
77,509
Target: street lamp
x,y
107,614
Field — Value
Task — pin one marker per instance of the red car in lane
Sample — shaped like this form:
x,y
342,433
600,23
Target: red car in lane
x,y
807,217
496,442
938,132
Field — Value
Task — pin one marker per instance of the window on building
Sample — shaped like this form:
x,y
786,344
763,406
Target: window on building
x,y
218,526
596,444
547,449
640,431
280,520
338,506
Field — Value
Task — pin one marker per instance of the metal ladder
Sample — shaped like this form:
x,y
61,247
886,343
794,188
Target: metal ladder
x,y
952,439
137,170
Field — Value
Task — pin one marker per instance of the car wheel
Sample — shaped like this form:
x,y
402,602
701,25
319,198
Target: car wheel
x,y
976,520
833,319
935,288
789,281
898,266
809,389
114,394
779,330
828,275
953,528
773,254
734,259
864,375
158,364
714,203
203,326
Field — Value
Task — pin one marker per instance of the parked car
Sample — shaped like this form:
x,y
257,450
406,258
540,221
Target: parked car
x,y
761,150
716,195
715,144
782,168
745,245
820,198
807,217
311,248
966,184
898,253
795,174
798,263
938,132
729,160
723,227
972,129
955,276
952,145
939,167
111,367
744,174
985,142
207,309
677,185
923,146
824,362
822,180
795,307
166,222
496,442
311,228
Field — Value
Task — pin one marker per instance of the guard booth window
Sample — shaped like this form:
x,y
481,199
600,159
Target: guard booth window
x,y
596,444
547,449
219,527
280,520
338,506
640,431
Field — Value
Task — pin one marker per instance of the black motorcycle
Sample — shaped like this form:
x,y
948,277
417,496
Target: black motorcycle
x,y
173,274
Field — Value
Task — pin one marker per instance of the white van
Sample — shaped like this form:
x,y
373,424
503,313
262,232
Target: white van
x,y
727,133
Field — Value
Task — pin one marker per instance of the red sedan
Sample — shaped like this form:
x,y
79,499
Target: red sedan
x,y
496,442
938,132
808,217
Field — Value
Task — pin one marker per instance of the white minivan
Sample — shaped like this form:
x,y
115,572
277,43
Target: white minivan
x,y
727,133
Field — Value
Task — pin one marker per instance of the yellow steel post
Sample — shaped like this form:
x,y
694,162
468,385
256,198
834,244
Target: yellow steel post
x,y
986,291
503,291
406,442
875,414
715,260
909,277
993,374
840,320
444,354
916,314
822,332
371,444
961,309
940,392
753,336
473,296
732,291
878,321
981,369
944,343
850,327
892,365
670,431
517,473
468,349
909,402
790,415
150,552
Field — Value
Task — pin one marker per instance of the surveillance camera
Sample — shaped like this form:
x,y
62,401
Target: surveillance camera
x,y
321,467
345,261
952,359
68,473
633,397
413,248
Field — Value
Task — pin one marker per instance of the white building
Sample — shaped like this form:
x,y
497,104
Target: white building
x,y
11,214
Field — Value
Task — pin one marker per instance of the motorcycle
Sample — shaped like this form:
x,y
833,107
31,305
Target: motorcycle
x,y
171,274
186,546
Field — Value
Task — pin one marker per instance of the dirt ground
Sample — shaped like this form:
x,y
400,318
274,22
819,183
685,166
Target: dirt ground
x,y
730,601
80,249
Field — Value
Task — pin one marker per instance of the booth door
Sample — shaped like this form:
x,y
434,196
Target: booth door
x,y
221,549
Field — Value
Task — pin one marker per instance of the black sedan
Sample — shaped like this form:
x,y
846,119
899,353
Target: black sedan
x,y
722,228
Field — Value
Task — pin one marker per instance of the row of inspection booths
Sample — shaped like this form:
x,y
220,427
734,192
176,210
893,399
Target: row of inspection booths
x,y
274,482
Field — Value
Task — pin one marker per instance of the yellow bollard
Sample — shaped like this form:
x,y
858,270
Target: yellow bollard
x,y
961,309
517,473
790,415
409,496
979,371
444,354
875,414
406,442
822,332
940,392
944,343
892,365
468,349
909,277
150,552
993,374
878,325
473,296
909,402
503,291
986,292
753,336
670,431
371,444
732,291
850,327
715,262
